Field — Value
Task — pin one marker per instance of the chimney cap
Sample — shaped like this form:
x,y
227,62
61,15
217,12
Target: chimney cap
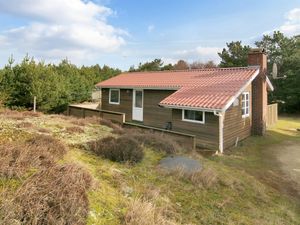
x,y
257,50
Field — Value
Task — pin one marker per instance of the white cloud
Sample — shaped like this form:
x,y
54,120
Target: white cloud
x,y
61,28
200,53
292,25
150,28
167,60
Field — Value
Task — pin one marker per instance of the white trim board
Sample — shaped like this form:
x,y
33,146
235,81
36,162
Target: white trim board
x,y
140,87
109,97
229,103
270,85
189,108
193,121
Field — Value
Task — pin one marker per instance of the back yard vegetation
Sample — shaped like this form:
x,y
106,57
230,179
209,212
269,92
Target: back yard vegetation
x,y
54,172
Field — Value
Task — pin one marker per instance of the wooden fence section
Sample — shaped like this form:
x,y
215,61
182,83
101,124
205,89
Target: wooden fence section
x,y
272,114
81,112
186,140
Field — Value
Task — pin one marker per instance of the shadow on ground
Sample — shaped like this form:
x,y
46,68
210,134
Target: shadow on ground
x,y
273,159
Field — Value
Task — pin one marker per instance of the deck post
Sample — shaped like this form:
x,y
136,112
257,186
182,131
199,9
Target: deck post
x,y
221,116
221,132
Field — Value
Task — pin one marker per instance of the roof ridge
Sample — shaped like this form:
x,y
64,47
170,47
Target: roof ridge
x,y
195,70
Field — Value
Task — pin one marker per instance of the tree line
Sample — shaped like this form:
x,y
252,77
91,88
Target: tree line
x,y
55,86
282,50
158,65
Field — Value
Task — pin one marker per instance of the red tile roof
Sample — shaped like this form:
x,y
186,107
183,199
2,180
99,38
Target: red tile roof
x,y
204,88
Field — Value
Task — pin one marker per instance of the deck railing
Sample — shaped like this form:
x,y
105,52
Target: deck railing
x,y
272,114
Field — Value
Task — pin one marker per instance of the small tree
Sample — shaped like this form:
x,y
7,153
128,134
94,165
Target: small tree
x,y
181,65
235,55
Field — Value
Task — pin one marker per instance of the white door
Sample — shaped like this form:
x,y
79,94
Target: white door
x,y
137,105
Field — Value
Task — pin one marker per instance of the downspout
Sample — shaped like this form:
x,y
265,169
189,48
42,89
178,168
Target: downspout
x,y
221,130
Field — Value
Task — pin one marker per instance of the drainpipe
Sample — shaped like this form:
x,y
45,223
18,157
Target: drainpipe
x,y
221,130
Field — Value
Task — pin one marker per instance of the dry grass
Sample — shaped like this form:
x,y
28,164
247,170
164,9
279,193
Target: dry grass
x,y
122,149
147,213
156,141
74,130
117,129
12,114
56,195
84,121
32,114
43,130
46,143
24,125
39,151
205,178
18,115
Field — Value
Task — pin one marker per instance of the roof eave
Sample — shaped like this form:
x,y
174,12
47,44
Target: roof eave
x,y
190,108
270,85
139,87
230,102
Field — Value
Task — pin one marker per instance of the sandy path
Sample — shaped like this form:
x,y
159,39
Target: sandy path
x,y
288,156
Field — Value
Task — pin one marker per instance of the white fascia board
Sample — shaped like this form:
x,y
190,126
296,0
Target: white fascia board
x,y
189,108
241,90
269,83
142,88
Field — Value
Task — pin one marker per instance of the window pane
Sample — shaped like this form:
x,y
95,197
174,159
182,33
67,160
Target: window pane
x,y
189,115
114,96
243,111
198,116
139,99
193,115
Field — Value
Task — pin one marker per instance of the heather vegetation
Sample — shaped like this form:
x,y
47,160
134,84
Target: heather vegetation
x,y
122,149
54,172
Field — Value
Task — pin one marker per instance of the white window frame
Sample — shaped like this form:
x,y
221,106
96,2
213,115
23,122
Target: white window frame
x,y
114,103
245,100
193,121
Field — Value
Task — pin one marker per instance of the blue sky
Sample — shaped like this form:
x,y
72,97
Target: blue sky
x,y
122,33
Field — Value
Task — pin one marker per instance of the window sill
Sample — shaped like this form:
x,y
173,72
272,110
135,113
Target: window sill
x,y
245,116
193,121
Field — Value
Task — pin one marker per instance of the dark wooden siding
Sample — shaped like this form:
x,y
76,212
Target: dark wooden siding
x,y
125,105
155,115
207,135
235,125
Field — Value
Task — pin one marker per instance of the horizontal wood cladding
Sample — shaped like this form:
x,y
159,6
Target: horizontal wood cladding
x,y
154,115
235,126
207,135
125,105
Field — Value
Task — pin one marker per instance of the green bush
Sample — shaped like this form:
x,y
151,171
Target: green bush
x,y
122,149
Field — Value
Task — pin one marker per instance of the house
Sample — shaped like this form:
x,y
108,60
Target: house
x,y
220,106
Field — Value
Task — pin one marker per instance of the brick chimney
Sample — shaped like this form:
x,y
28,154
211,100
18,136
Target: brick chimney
x,y
258,57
